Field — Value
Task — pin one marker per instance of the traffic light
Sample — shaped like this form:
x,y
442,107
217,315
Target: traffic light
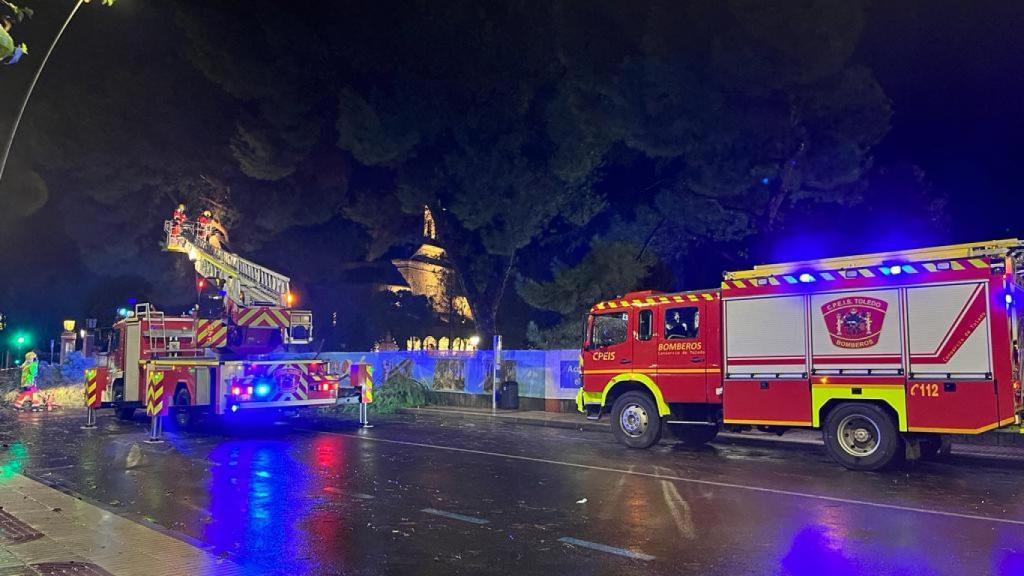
x,y
21,340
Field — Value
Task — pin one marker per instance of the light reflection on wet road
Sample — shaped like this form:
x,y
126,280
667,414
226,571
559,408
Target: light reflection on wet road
x,y
440,495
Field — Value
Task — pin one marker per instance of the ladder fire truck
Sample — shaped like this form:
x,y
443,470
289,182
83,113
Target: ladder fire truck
x,y
888,354
212,361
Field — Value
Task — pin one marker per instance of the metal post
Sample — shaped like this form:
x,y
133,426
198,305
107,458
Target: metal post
x,y
90,419
156,430
364,416
496,376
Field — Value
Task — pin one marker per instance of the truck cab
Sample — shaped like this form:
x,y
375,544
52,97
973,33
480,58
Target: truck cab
x,y
664,349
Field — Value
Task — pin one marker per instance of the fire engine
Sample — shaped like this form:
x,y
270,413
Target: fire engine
x,y
888,354
214,360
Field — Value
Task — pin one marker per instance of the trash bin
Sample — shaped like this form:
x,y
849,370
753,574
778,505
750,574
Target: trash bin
x,y
508,397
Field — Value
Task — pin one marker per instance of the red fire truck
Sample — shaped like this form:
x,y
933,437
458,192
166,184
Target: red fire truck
x,y
887,353
161,364
215,359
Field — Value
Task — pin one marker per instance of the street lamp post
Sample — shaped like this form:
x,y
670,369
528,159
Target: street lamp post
x,y
32,86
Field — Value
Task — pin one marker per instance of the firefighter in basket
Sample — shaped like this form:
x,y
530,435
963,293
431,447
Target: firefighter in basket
x,y
28,398
218,235
178,220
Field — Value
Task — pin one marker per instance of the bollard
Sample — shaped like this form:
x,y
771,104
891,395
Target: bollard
x,y
156,430
90,419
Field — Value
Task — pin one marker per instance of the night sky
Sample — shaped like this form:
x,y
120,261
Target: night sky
x,y
123,93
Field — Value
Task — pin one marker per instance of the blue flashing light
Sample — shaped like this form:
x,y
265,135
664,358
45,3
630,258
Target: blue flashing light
x,y
895,269
262,389
123,312
1009,299
133,301
765,180
806,277
234,407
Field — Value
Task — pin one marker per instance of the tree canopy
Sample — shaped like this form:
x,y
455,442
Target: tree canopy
x,y
568,150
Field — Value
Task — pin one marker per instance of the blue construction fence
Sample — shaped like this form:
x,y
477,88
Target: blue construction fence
x,y
547,374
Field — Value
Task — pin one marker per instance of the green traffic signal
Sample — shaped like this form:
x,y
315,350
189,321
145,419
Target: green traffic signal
x,y
21,339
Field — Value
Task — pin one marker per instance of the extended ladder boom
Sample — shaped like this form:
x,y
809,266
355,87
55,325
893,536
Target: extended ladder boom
x,y
246,283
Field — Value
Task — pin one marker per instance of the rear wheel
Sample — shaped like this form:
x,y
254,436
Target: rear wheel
x,y
862,437
183,409
635,420
693,434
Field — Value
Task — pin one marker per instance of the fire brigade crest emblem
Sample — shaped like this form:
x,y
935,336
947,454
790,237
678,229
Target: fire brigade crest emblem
x,y
854,322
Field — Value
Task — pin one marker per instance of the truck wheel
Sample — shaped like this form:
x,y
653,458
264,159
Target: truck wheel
x,y
635,420
125,412
692,434
183,409
862,437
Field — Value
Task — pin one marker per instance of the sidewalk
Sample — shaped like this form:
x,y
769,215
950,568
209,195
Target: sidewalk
x,y
574,421
46,532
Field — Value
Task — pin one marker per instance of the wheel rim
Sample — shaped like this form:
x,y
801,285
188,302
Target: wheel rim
x,y
858,435
633,420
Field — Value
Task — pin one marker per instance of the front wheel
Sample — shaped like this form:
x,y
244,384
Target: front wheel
x,y
862,437
635,420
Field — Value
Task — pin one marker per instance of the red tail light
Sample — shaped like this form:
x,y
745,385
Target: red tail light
x,y
236,390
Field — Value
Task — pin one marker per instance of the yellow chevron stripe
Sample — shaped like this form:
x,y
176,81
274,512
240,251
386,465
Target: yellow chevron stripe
x,y
739,283
978,263
691,297
283,318
956,265
90,400
249,313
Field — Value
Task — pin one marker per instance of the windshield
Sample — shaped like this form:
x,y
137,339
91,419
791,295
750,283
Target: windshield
x,y
608,329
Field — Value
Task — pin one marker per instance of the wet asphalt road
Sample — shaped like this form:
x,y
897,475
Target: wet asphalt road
x,y
442,495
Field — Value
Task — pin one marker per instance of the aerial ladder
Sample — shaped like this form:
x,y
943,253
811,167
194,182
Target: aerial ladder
x,y
243,307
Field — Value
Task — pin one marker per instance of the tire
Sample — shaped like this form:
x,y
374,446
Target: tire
x,y
635,420
862,437
183,417
125,412
692,434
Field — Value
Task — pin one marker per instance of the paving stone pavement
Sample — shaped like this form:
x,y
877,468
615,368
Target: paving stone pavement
x,y
45,532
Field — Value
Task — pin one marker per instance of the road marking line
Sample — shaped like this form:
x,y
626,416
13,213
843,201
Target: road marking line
x,y
687,480
455,516
605,548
